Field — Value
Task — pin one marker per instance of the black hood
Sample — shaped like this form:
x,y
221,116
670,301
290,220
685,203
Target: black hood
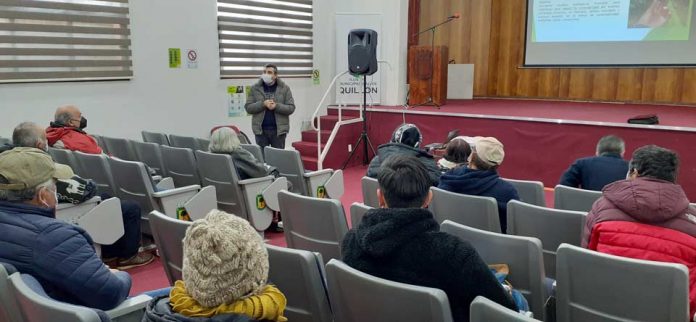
x,y
382,231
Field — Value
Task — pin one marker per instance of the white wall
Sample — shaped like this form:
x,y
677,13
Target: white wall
x,y
191,101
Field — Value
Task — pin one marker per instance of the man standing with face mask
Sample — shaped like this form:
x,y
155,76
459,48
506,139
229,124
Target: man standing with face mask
x,y
59,255
67,131
270,103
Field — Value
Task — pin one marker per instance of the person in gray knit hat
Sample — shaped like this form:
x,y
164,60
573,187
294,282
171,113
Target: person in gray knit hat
x,y
225,273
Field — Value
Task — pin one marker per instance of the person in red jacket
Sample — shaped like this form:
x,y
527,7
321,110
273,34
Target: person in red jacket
x,y
650,195
67,131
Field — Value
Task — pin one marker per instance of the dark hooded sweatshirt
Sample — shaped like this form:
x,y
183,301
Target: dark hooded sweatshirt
x,y
643,200
406,245
484,183
386,150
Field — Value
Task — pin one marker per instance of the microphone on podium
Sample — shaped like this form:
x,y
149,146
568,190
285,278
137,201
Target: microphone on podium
x,y
454,16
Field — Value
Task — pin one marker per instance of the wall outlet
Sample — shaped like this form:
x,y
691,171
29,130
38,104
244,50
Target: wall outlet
x,y
350,148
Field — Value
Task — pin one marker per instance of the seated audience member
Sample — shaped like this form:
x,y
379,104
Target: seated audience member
x,y
481,177
67,131
593,173
406,140
456,155
650,195
224,140
124,253
58,254
225,276
401,242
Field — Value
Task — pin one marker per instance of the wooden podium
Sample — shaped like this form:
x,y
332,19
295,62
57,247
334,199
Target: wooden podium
x,y
427,67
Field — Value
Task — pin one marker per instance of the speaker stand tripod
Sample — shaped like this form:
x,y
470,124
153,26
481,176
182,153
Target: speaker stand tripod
x,y
364,139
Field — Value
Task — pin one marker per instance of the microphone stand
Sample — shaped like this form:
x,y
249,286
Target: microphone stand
x,y
429,101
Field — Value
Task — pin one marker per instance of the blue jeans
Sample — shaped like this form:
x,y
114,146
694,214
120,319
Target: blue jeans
x,y
157,293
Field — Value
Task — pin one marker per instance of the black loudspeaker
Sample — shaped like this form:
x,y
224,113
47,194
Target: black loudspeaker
x,y
362,51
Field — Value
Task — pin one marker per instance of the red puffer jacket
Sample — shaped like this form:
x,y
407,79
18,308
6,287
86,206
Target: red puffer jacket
x,y
641,241
73,139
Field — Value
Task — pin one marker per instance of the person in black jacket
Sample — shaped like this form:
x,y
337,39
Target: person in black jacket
x,y
402,242
593,173
406,140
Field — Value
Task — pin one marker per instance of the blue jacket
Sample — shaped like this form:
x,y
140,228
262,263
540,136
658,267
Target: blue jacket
x,y
594,173
481,183
59,255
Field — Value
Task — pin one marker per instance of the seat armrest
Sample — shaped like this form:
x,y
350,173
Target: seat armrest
x,y
317,173
256,180
165,184
176,191
134,306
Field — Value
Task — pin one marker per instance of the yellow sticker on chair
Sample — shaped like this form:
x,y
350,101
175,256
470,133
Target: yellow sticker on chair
x,y
321,192
260,202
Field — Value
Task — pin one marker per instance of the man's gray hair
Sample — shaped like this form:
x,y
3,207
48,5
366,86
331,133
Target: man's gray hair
x,y
224,140
22,195
63,118
611,144
26,134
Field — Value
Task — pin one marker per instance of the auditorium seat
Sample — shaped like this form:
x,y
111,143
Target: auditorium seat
x,y
473,211
357,212
101,219
523,255
569,198
9,312
289,164
369,191
100,142
531,192
65,157
592,286
313,224
202,144
552,226
180,141
239,197
96,167
150,154
180,165
299,274
169,234
120,148
255,150
357,297
154,137
485,310
35,305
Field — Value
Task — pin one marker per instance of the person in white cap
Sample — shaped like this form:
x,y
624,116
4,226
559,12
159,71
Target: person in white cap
x,y
480,177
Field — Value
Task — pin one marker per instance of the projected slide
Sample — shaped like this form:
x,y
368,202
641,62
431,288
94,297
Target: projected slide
x,y
611,20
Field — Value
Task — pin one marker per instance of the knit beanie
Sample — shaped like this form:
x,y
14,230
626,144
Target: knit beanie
x,y
224,259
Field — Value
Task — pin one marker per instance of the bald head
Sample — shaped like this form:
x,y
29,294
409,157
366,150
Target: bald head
x,y
29,135
68,115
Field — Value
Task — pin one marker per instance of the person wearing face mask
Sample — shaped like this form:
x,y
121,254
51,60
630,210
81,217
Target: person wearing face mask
x,y
270,103
67,131
59,255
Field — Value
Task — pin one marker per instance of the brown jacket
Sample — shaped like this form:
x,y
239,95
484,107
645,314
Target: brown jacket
x,y
643,200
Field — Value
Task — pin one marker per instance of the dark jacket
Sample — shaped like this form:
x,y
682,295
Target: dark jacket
x,y
159,310
643,200
59,255
481,183
405,245
247,165
594,173
386,150
285,105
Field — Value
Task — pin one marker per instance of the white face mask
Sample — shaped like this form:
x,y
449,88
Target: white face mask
x,y
268,79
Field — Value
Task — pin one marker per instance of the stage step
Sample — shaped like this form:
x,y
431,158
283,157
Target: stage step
x,y
328,121
310,163
350,113
308,149
311,136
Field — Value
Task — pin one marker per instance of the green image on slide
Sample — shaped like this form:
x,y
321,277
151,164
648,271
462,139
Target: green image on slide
x,y
668,19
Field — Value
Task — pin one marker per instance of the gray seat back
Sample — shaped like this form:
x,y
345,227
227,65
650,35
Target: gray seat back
x,y
218,170
8,310
120,148
100,142
254,150
531,192
523,256
150,154
181,165
133,183
369,191
313,224
4,141
592,286
569,198
96,167
65,157
473,211
36,307
357,212
357,297
485,310
154,137
300,275
202,144
169,235
289,164
552,226
179,141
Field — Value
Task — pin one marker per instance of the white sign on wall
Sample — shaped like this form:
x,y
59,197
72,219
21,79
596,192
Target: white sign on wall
x,y
349,88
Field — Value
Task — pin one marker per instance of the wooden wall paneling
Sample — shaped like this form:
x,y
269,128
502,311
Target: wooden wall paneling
x,y
667,84
480,42
507,63
494,49
604,84
688,86
580,84
414,16
648,90
549,82
629,84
